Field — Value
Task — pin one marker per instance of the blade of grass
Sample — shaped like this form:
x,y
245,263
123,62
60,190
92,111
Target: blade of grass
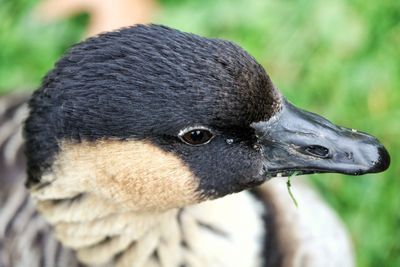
x,y
289,185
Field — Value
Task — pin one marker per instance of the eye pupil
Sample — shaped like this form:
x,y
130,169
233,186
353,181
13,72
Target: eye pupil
x,y
197,137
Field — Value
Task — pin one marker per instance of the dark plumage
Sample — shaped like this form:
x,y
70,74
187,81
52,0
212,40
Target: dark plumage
x,y
149,83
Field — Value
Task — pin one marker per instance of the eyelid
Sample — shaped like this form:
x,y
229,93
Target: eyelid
x,y
188,130
196,127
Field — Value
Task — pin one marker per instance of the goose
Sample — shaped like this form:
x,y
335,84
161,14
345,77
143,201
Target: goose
x,y
148,146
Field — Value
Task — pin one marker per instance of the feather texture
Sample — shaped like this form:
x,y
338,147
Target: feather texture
x,y
25,238
224,232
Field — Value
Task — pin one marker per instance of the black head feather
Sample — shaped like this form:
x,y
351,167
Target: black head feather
x,y
149,82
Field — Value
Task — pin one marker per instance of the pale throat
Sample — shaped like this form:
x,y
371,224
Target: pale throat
x,y
106,201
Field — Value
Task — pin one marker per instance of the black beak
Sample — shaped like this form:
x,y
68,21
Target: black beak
x,y
298,141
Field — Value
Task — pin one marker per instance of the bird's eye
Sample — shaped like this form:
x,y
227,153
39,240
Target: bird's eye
x,y
196,136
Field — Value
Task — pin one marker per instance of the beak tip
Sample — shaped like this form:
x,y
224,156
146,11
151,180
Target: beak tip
x,y
383,161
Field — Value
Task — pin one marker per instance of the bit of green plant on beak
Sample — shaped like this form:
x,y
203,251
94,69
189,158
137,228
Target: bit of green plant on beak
x,y
288,184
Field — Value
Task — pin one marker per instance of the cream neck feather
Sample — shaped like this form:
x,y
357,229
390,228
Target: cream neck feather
x,y
224,232
119,203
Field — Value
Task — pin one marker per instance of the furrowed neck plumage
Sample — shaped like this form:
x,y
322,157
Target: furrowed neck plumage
x,y
103,226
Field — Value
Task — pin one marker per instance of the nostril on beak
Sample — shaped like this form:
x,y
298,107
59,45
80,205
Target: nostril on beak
x,y
316,151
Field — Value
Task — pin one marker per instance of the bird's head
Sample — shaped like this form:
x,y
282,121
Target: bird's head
x,y
154,118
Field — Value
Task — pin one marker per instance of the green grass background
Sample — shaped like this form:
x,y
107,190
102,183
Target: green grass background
x,y
340,59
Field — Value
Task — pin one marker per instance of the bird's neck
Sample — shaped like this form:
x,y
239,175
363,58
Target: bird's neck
x,y
225,231
107,203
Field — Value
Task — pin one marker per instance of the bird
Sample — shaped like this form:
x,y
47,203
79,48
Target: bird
x,y
148,146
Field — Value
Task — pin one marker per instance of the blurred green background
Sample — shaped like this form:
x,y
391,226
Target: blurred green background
x,y
340,59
